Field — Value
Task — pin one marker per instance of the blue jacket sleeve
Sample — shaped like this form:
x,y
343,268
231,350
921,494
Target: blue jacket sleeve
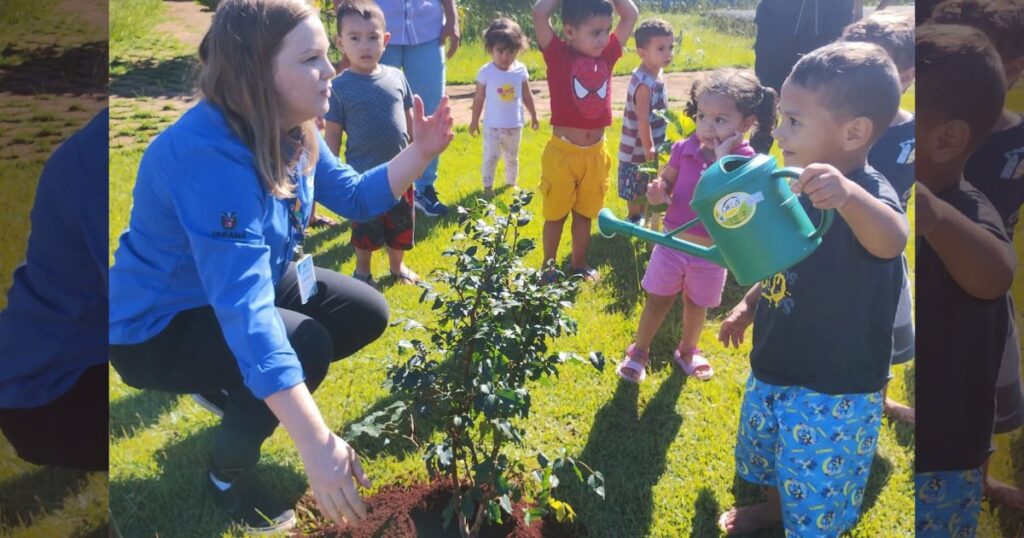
x,y
221,204
342,190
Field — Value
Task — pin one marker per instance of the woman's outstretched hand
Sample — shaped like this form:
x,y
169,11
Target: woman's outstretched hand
x,y
431,134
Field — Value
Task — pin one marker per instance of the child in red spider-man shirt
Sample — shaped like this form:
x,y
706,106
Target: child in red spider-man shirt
x,y
576,166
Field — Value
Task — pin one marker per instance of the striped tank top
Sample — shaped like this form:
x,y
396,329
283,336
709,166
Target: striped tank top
x,y
630,148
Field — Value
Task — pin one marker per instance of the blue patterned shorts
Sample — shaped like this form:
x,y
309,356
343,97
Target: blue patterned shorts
x,y
815,448
632,184
948,503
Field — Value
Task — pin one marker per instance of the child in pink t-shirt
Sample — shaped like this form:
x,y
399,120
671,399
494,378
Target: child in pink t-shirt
x,y
725,105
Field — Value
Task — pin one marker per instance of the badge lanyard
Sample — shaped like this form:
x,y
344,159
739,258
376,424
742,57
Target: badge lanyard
x,y
297,228
304,270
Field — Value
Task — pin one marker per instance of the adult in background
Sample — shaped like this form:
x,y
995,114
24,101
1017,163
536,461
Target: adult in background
x,y
424,33
788,29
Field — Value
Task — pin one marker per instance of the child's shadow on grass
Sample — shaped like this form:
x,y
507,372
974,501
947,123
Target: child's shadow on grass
x,y
175,501
36,492
332,257
631,452
706,511
623,261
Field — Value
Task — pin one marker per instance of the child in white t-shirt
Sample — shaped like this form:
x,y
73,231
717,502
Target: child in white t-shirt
x,y
503,85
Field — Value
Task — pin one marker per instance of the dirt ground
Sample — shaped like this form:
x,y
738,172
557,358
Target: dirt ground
x,y
187,21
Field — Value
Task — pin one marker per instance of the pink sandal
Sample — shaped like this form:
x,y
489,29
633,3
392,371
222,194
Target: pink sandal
x,y
636,361
696,361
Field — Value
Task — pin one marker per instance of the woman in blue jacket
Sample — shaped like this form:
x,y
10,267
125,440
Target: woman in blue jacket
x,y
207,290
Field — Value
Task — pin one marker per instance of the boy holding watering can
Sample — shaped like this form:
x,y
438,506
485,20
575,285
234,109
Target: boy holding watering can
x,y
965,264
823,328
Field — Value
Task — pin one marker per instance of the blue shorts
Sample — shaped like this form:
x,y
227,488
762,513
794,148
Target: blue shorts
x,y
632,183
948,503
815,448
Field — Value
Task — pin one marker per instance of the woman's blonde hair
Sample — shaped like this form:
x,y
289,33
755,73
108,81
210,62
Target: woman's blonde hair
x,y
237,75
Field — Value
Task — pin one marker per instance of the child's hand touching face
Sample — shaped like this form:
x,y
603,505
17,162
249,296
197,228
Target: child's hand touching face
x,y
727,146
720,123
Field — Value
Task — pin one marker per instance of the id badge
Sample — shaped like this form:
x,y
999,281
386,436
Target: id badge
x,y
306,277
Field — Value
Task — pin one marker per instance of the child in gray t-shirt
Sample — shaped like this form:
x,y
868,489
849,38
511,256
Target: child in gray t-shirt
x,y
372,105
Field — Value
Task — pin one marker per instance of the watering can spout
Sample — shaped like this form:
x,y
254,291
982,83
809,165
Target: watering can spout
x,y
609,225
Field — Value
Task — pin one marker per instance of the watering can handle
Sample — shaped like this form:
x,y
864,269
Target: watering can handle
x,y
791,173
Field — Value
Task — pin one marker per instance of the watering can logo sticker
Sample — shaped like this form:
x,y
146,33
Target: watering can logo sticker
x,y
736,209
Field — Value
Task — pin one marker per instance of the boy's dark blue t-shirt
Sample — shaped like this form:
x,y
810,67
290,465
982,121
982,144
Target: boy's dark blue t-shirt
x,y
997,170
826,323
55,324
893,157
957,365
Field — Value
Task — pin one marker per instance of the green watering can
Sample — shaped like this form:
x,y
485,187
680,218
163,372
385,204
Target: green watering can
x,y
756,222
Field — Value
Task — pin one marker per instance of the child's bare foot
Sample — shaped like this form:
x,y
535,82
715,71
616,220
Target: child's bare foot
x,y
405,275
897,411
740,519
588,273
1004,494
320,221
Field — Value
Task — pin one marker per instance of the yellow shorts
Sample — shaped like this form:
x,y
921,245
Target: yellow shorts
x,y
573,178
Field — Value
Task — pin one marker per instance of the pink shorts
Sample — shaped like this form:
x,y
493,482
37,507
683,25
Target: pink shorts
x,y
670,272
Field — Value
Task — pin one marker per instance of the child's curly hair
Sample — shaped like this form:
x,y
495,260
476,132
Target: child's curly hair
x,y
505,33
752,99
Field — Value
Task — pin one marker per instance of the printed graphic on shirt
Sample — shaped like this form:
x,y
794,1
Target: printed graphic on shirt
x,y
1014,168
906,155
228,221
507,93
590,78
776,290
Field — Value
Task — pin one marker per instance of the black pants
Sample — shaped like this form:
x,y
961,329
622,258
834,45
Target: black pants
x,y
71,431
191,355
